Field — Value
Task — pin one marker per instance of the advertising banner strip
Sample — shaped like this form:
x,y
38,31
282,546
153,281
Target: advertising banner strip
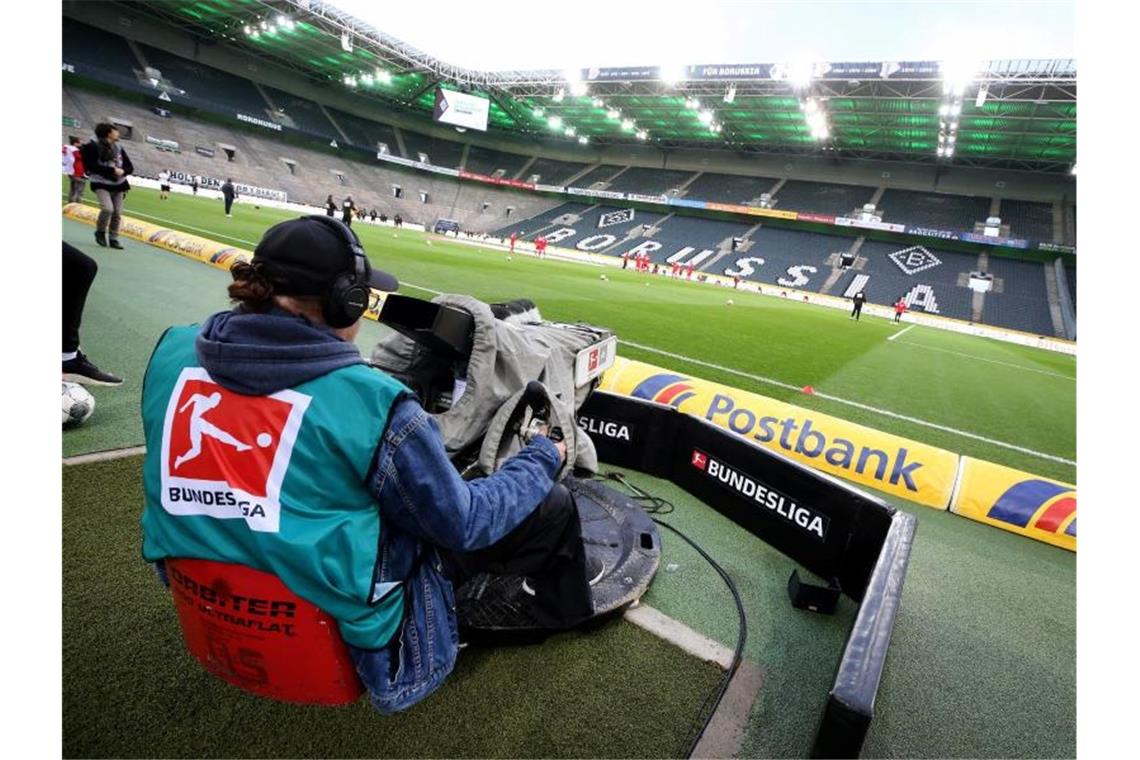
x,y
752,210
908,469
191,246
1040,508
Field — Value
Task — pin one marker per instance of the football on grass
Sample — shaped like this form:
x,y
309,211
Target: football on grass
x,y
78,404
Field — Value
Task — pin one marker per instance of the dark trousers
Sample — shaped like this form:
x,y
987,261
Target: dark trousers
x,y
546,547
229,203
857,310
78,273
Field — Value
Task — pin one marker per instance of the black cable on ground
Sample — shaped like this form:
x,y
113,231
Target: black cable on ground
x,y
658,505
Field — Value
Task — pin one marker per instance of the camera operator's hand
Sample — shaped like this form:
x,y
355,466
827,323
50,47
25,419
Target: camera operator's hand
x,y
118,172
559,444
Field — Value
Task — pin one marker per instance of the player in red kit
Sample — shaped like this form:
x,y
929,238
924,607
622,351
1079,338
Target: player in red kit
x,y
689,271
514,237
540,247
900,308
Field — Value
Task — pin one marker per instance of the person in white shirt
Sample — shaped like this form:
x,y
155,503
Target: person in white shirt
x,y
73,168
163,184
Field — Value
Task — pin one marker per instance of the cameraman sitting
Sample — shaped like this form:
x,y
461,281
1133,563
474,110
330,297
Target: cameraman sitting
x,y
374,524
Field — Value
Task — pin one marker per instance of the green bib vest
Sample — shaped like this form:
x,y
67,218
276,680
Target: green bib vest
x,y
274,482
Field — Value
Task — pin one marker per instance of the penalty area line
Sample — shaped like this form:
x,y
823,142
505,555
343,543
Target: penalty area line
x,y
903,331
856,404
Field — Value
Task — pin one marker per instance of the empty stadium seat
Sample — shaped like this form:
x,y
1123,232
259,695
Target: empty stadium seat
x,y
728,188
822,197
938,210
1027,219
553,172
648,181
245,627
486,161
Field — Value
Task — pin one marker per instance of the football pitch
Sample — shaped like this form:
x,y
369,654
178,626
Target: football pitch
x,y
982,661
1009,404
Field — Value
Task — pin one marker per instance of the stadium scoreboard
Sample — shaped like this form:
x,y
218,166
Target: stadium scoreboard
x,y
461,109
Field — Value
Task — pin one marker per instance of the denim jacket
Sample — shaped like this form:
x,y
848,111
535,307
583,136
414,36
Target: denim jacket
x,y
422,500
424,504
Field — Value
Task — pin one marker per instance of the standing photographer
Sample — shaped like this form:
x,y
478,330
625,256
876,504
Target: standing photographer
x,y
108,166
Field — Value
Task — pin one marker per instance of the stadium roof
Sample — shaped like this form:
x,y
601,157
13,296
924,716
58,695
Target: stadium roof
x,y
1012,114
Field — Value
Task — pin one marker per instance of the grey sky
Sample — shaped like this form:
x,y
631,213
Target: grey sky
x,y
502,34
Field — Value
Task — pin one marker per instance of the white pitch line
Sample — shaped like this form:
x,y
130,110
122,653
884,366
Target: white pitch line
x,y
856,404
901,332
105,456
983,359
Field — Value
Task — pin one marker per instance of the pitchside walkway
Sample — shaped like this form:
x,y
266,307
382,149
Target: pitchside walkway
x,y
974,670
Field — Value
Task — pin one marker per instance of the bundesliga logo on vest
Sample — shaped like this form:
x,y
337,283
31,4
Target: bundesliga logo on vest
x,y
225,455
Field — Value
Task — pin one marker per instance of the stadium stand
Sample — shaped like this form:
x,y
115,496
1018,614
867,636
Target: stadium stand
x,y
679,232
648,181
1027,219
895,269
551,172
100,50
776,250
939,210
1018,313
486,161
257,160
439,152
728,188
601,173
822,197
1071,276
365,133
206,84
305,114
534,226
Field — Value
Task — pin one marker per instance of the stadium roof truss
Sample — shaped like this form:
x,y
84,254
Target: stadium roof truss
x,y
1012,114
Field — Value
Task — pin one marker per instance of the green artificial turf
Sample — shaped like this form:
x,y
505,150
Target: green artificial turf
x,y
131,690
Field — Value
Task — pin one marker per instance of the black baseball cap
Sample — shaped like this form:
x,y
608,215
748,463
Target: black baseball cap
x,y
305,256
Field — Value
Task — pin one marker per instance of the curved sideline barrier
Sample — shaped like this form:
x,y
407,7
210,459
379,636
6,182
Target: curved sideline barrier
x,y
1032,506
857,542
1020,502
191,246
898,466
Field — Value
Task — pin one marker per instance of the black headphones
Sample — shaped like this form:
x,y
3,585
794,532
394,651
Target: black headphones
x,y
347,300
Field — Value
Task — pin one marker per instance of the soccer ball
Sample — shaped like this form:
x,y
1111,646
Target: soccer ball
x,y
508,258
728,302
428,242
78,404
603,277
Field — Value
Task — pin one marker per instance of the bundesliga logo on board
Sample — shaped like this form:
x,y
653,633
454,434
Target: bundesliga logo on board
x,y
224,455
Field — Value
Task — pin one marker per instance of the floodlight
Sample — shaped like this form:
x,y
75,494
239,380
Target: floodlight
x,y
981,99
811,106
382,76
264,25
627,124
941,151
730,94
570,131
247,30
955,109
671,73
366,78
613,113
956,75
952,138
1073,171
944,109
692,103
555,122
579,88
559,96
538,111
642,134
705,116
599,103
583,140
799,74
350,81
